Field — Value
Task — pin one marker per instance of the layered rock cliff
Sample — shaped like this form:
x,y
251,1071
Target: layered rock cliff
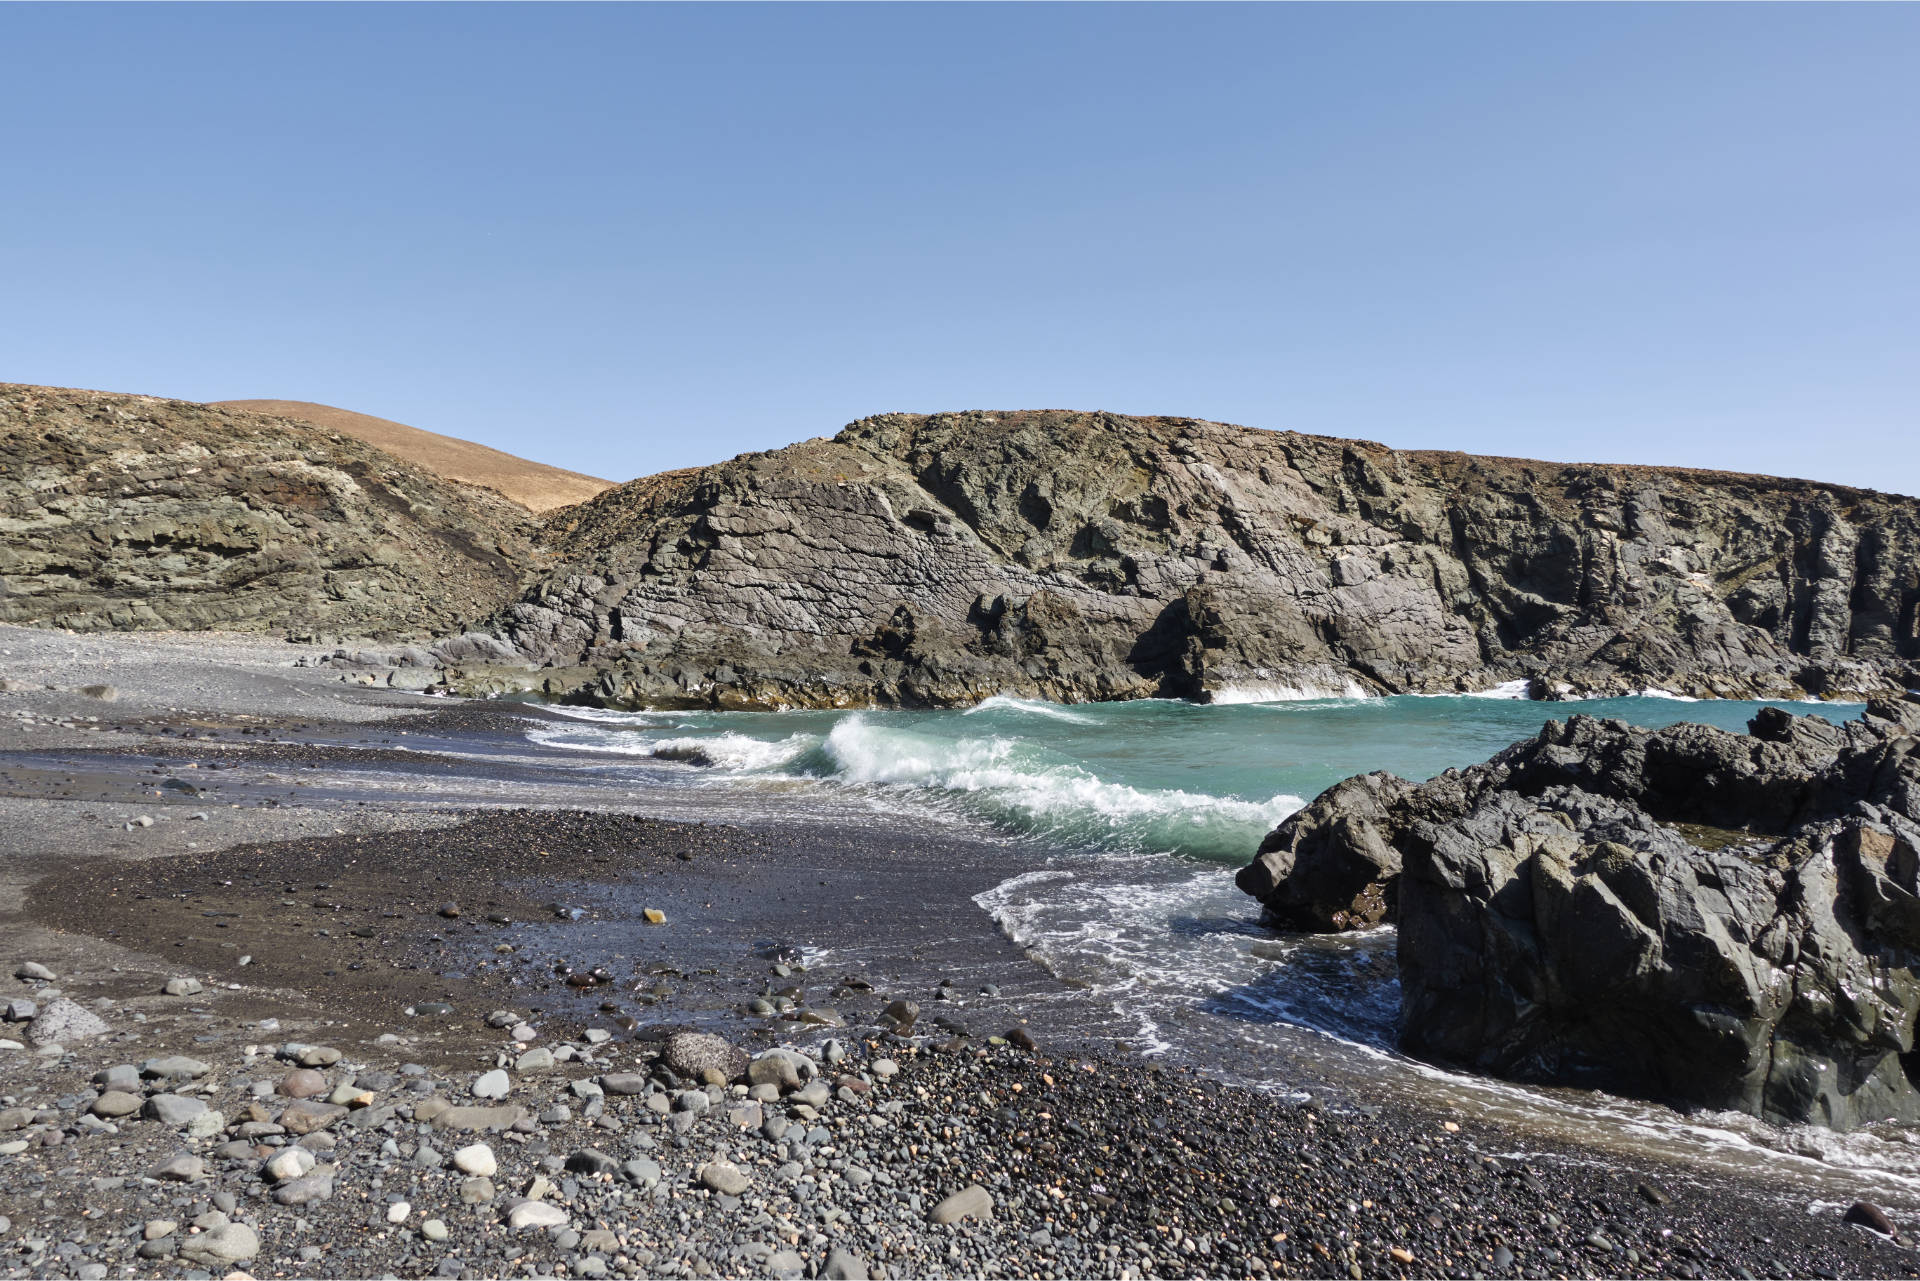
x,y
134,512
1712,919
940,559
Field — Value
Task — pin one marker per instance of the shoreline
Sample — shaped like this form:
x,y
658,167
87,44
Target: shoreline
x,y
1433,1192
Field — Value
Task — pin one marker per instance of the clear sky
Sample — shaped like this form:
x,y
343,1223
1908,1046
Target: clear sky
x,y
623,239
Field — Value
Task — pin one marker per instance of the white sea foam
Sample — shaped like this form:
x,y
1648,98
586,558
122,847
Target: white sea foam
x,y
1282,693
1517,690
736,752
1030,706
1048,794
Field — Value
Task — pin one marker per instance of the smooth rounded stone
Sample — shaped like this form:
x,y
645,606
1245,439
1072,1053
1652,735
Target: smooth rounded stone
x,y
491,1085
222,1247
347,1094
585,1089
536,1214
183,987
524,1032
1020,1039
21,1010
502,1019
398,1212
316,1056
785,1265
782,1068
477,1159
814,1094
822,1017
883,1069
33,972
590,1161
426,1158
63,1022
690,1054
304,1116
724,1177
206,1125
624,1083
290,1163
1502,1258
477,1191
473,1118
116,1103
302,1083
538,1059
124,1077
174,1067
91,1272
694,1101
434,1230
643,1171
182,1167
172,1109
1868,1215
157,1228
973,1202
844,1265
305,1191
597,1036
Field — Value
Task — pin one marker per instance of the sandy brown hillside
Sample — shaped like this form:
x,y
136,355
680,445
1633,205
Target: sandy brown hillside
x,y
535,486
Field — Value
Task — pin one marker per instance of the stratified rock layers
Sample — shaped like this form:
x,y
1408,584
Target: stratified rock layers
x,y
133,512
940,559
1713,919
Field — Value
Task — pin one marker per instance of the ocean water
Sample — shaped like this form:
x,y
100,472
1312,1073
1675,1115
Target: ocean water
x,y
1133,818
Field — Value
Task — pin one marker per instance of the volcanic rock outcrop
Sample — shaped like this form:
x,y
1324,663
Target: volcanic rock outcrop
x,y
940,559
1711,919
134,512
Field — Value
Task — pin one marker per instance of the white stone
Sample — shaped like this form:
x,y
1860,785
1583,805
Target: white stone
x,y
476,1159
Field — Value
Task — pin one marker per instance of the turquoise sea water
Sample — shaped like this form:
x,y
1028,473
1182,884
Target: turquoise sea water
x,y
1128,820
1142,777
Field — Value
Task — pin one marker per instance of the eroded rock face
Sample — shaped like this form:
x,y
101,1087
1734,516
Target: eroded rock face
x,y
939,559
1712,919
131,512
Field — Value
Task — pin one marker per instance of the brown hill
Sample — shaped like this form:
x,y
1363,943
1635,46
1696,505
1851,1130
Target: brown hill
x,y
535,486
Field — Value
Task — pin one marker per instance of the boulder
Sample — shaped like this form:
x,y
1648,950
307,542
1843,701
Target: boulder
x,y
1582,910
692,1054
62,1022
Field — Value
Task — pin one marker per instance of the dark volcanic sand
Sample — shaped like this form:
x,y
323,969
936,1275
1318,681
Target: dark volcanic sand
x,y
1099,1164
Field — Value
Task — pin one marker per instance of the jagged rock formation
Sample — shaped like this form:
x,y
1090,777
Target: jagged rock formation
x,y
134,512
1686,914
535,486
937,560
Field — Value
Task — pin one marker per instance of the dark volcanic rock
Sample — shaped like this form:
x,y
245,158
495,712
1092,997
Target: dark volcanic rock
x,y
939,559
1714,919
133,512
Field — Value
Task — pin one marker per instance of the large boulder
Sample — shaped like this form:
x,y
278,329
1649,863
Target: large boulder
x,y
1711,919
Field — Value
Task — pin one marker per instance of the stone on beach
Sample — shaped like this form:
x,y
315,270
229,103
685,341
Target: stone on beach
x,y
63,1022
476,1159
973,1202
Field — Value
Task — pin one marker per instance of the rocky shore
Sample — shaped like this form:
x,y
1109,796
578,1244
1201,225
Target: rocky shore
x,y
1719,920
937,560
177,1117
289,1027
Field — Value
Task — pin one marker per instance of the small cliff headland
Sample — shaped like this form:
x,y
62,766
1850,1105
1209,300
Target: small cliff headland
x,y
935,560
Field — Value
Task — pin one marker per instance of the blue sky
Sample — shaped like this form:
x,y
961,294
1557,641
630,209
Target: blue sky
x,y
623,239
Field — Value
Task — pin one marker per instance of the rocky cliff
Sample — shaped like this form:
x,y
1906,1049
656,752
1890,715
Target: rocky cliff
x,y
939,559
137,513
1713,919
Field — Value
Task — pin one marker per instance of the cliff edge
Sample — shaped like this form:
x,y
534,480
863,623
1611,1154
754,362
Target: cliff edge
x,y
939,559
